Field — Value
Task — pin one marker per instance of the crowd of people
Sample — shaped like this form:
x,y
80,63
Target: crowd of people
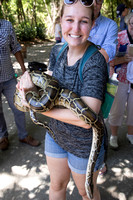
x,y
125,91
80,24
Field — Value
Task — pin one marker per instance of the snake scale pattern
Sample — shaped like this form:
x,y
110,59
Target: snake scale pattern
x,y
50,95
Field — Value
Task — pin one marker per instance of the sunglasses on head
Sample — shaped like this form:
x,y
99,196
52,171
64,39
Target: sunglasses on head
x,y
86,3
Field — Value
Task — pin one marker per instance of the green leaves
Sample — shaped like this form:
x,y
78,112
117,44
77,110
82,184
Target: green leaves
x,y
25,32
35,18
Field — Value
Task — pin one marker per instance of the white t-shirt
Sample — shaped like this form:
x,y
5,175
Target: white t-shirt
x,y
130,72
57,30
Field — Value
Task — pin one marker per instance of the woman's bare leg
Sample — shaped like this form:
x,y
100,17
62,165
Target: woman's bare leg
x,y
80,183
60,176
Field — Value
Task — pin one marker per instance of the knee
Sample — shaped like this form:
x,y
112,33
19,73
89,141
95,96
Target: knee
x,y
58,186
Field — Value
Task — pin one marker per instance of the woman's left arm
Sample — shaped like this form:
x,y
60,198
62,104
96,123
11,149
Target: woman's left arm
x,y
67,116
93,103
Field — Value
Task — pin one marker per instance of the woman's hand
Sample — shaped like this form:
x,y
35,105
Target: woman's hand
x,y
128,58
120,60
24,85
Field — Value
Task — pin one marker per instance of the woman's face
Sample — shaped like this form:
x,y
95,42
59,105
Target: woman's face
x,y
130,26
76,24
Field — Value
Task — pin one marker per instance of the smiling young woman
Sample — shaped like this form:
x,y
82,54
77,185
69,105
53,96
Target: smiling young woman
x,y
76,22
69,152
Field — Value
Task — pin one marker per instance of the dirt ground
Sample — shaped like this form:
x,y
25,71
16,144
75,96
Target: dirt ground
x,y
23,171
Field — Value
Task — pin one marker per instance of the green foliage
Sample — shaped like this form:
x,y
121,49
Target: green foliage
x,y
1,14
11,18
109,9
35,18
41,31
25,32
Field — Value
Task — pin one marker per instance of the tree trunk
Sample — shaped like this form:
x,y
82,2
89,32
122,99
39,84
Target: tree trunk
x,y
20,11
112,10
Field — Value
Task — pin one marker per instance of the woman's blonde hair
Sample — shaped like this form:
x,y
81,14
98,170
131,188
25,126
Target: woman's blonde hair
x,y
128,17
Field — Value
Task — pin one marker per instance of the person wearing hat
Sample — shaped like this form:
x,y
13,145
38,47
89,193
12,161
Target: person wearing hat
x,y
122,11
124,95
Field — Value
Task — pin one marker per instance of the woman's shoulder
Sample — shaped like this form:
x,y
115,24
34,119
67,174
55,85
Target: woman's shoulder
x,y
58,48
94,53
96,64
98,58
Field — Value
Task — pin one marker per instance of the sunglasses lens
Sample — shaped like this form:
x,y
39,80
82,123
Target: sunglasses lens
x,y
69,2
87,3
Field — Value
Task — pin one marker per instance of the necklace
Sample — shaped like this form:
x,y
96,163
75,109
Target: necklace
x,y
71,60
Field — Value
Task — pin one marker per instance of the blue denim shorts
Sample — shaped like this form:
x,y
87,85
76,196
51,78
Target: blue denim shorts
x,y
76,164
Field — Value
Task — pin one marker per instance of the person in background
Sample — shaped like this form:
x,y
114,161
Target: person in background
x,y
58,34
8,42
122,11
69,152
107,39
124,95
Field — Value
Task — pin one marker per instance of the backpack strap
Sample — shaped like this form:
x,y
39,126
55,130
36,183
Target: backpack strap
x,y
61,50
91,50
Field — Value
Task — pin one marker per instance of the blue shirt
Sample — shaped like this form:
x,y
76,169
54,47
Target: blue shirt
x,y
104,33
8,43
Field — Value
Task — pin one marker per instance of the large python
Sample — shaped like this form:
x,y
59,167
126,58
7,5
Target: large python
x,y
52,95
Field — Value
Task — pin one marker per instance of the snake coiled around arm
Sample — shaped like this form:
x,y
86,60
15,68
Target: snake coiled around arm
x,y
50,95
